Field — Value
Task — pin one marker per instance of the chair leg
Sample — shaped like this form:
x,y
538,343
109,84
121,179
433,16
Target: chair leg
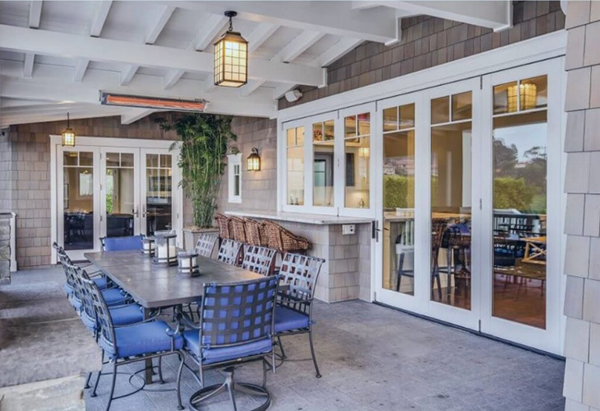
x,y
400,272
87,381
230,390
312,352
93,394
281,347
179,404
160,374
112,387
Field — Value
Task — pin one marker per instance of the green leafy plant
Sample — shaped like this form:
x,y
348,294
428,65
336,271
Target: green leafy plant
x,y
204,142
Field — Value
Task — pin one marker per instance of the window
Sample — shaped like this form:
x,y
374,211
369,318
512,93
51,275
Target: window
x,y
235,177
357,130
295,166
323,163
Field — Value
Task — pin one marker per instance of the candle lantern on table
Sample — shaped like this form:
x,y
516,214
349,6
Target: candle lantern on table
x,y
187,263
148,246
165,251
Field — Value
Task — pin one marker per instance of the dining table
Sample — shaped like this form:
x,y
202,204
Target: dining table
x,y
154,285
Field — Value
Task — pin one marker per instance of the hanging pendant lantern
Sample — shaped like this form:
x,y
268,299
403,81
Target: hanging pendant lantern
x,y
68,135
231,57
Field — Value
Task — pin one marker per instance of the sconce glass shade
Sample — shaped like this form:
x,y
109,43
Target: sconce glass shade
x,y
187,263
231,60
254,160
165,251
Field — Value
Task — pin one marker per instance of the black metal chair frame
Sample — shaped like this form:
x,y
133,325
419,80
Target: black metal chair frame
x,y
205,246
107,332
260,260
230,252
300,273
211,302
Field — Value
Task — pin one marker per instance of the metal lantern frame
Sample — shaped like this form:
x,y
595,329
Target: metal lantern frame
x,y
68,134
254,160
187,263
231,57
165,241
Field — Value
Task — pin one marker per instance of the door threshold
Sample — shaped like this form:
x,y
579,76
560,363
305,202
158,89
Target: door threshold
x,y
478,333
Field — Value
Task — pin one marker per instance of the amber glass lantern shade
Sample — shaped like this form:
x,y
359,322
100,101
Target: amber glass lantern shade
x,y
68,135
231,58
254,160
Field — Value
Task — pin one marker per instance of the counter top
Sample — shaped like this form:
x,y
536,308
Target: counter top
x,y
316,219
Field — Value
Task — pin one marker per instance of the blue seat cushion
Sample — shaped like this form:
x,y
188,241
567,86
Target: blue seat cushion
x,y
67,289
113,296
131,243
101,282
128,314
287,319
214,355
138,339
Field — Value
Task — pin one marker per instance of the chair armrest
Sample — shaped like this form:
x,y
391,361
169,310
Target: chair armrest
x,y
184,320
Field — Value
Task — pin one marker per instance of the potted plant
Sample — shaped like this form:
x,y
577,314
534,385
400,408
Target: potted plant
x,y
204,142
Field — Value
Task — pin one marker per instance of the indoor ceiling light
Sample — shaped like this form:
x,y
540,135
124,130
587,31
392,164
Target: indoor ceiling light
x,y
68,135
231,57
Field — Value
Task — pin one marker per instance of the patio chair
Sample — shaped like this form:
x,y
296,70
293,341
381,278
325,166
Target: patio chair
x,y
293,313
239,232
97,276
230,252
224,224
260,260
131,343
205,246
236,327
131,243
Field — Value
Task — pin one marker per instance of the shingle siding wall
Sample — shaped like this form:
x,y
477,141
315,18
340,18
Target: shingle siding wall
x,y
25,189
428,42
582,222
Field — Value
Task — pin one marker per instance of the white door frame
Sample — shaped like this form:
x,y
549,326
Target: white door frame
x,y
86,143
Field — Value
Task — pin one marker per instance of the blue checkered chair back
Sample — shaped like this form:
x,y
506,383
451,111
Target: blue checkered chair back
x,y
131,243
236,314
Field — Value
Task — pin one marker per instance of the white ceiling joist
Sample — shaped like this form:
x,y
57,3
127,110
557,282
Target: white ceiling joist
x,y
134,114
330,17
100,15
60,44
494,14
35,14
80,69
28,66
157,28
259,35
336,51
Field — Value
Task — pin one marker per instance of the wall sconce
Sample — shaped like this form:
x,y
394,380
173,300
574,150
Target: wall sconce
x,y
231,57
254,160
68,135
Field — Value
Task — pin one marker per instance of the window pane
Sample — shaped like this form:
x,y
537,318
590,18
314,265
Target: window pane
x,y
112,159
78,204
329,132
86,158
350,126
236,185
461,106
407,116
399,203
151,160
70,158
158,196
505,100
119,202
318,132
440,110
364,124
295,169
519,220
534,93
390,119
357,160
323,168
291,137
165,160
451,214
126,160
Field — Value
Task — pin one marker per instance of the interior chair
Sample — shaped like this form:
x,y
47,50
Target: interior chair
x,y
131,243
438,227
230,252
236,327
205,246
293,313
130,343
260,260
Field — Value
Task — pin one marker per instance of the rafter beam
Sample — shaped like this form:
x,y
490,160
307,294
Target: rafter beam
x,y
299,45
335,52
35,14
250,87
80,69
134,114
259,35
28,66
331,17
281,89
100,15
62,44
159,24
494,14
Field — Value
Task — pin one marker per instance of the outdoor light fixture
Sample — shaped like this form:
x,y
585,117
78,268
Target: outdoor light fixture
x,y
254,160
527,97
165,251
68,135
148,246
122,100
187,263
231,57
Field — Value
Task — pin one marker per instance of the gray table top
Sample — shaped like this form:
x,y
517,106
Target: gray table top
x,y
154,286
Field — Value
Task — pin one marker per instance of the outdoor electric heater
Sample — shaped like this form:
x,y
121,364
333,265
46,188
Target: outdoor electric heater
x,y
109,99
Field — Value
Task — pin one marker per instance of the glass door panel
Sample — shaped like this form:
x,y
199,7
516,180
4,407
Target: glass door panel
x,y
357,148
451,192
78,200
120,194
323,163
158,201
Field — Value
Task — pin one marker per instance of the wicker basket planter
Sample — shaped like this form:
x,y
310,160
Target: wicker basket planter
x,y
224,226
255,232
283,240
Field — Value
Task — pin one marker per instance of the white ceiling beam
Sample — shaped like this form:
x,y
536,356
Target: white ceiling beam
x,y
493,14
28,65
335,52
53,83
61,44
259,35
172,78
281,89
364,5
59,115
134,114
100,15
35,14
330,17
80,68
299,45
127,74
250,87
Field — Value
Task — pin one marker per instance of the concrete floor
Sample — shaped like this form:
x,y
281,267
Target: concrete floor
x,y
372,358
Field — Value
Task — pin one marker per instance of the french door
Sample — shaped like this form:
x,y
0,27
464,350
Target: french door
x,y
470,204
113,191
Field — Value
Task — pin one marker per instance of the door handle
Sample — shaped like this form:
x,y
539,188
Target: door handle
x,y
136,212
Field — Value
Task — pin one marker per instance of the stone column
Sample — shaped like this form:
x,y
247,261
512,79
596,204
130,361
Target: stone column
x,y
582,222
